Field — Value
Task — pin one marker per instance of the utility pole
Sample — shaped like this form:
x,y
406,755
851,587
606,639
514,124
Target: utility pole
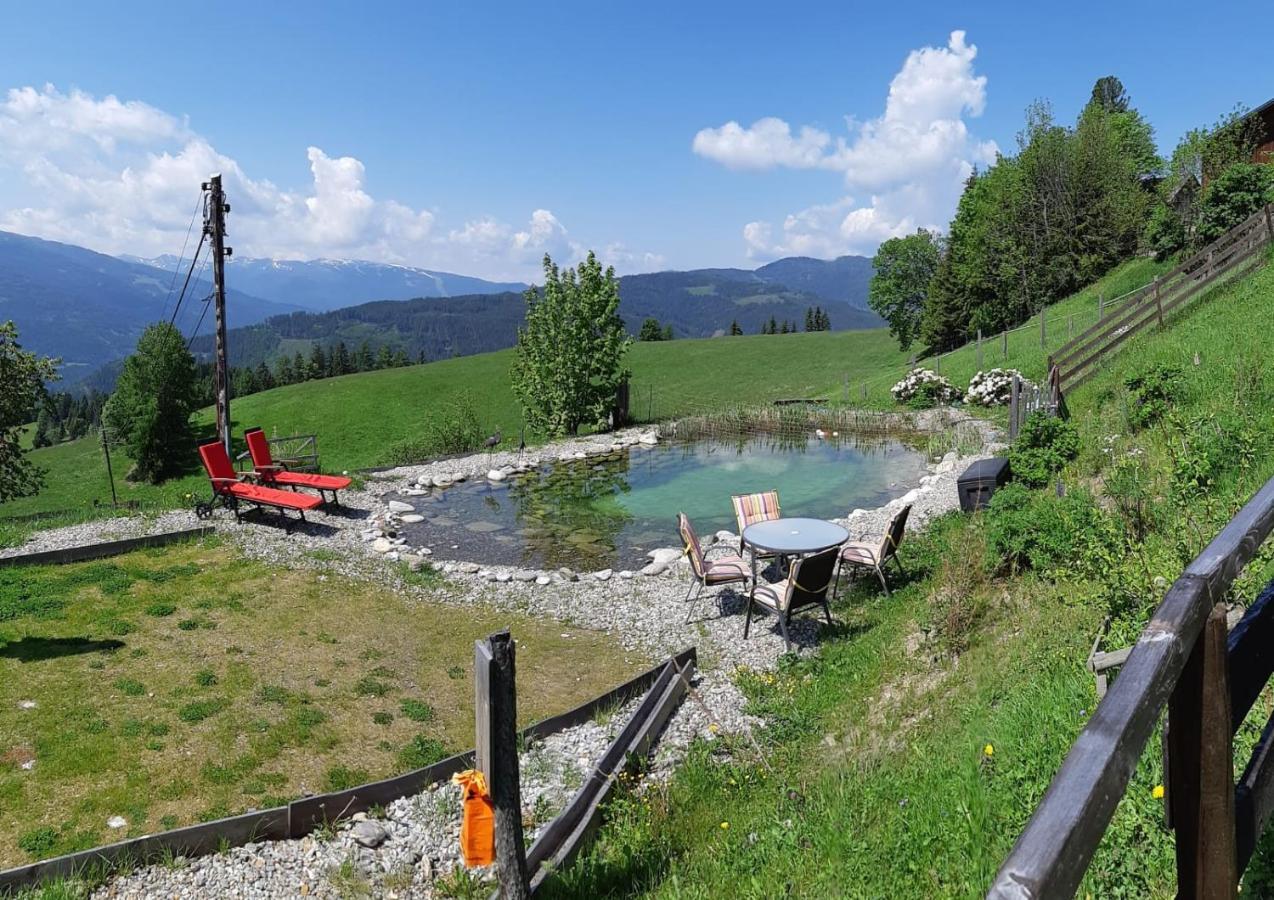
x,y
214,225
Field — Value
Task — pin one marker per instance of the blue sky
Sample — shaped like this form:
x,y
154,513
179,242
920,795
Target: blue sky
x,y
473,137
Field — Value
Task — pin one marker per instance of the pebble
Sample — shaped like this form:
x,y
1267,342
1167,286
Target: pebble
x,y
397,506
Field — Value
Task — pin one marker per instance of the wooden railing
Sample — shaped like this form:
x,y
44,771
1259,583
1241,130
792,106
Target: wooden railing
x,y
1234,252
1182,660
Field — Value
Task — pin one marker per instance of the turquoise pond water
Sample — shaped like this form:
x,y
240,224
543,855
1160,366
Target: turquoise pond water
x,y
608,512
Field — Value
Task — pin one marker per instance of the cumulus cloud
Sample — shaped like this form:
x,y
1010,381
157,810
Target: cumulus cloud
x,y
908,164
121,177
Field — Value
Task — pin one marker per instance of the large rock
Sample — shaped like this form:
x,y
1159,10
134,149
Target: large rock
x,y
412,518
425,481
603,575
649,438
382,545
397,506
525,575
369,833
496,475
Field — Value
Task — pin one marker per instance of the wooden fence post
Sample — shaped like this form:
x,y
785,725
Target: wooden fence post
x,y
1070,326
1004,343
495,698
1043,326
1158,301
1015,391
979,349
1101,305
937,363
1269,223
1202,771
845,390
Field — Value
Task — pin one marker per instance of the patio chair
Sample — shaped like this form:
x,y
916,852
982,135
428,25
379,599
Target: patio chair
x,y
277,475
731,569
752,508
806,585
231,491
874,555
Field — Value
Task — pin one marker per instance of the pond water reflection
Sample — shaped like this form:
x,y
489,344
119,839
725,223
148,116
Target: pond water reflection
x,y
608,511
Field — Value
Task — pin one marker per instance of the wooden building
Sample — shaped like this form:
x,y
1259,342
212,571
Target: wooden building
x,y
1264,115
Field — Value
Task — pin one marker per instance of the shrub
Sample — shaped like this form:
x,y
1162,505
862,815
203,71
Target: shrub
x,y
1153,393
453,428
1043,446
417,710
1038,530
1232,196
958,599
923,388
992,388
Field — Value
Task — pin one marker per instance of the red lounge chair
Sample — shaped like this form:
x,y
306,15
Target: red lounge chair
x,y
230,491
277,474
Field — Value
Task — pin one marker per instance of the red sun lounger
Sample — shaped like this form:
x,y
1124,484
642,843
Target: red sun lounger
x,y
277,474
230,491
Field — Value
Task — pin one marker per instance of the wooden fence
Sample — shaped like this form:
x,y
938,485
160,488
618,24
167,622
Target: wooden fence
x,y
1236,251
1026,398
1183,660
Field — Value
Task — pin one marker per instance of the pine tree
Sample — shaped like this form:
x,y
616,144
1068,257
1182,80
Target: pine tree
x,y
420,358
735,329
810,323
783,327
301,368
384,357
283,373
364,362
400,359
264,377
318,361
774,327
341,363
41,437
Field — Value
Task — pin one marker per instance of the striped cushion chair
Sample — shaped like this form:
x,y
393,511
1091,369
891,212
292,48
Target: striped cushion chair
x,y
806,585
752,508
729,569
875,553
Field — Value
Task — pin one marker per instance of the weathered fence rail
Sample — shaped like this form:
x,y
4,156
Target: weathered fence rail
x,y
1233,253
1184,661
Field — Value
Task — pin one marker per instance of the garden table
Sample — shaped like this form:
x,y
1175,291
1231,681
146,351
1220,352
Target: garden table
x,y
792,537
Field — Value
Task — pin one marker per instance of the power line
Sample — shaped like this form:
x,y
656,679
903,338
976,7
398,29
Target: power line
x,y
182,256
207,302
193,260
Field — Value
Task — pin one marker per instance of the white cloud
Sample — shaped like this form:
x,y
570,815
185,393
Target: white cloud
x,y
122,176
910,162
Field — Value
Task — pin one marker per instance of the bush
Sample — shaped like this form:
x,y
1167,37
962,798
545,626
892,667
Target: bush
x,y
992,388
1043,446
200,710
924,388
1041,531
1153,392
1232,196
1165,231
454,428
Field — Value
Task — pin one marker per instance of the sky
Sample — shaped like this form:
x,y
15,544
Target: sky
x,y
476,137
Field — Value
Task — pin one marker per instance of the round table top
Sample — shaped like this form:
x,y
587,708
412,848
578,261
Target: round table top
x,y
795,535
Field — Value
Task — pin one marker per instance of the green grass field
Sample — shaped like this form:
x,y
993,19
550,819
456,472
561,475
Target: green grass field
x,y
188,683
357,417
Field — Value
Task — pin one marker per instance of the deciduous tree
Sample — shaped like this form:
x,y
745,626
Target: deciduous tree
x,y
569,355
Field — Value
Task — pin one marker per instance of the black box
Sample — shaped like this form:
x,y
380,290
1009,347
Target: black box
x,y
980,480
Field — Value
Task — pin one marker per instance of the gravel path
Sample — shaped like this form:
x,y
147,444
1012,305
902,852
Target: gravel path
x,y
645,610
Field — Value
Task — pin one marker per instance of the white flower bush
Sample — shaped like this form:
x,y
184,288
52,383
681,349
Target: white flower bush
x,y
922,385
992,388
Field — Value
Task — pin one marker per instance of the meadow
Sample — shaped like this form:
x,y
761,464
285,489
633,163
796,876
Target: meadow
x,y
188,683
905,758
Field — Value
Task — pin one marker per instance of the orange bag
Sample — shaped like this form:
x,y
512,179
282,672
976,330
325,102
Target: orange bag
x,y
477,829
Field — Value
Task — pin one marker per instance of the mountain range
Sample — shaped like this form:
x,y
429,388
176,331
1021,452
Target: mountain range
x,y
89,308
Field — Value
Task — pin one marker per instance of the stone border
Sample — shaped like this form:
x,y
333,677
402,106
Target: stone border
x,y
104,549
303,816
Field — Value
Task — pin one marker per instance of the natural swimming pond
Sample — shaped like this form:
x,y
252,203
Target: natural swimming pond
x,y
609,511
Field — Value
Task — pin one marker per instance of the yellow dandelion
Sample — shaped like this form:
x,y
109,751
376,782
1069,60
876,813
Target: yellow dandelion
x,y
713,727
1157,792
725,825
988,751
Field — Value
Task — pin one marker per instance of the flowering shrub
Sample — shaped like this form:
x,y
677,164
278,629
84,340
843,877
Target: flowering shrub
x,y
992,388
922,388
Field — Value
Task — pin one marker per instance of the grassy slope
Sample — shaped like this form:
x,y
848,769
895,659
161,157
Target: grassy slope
x,y
882,783
295,664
